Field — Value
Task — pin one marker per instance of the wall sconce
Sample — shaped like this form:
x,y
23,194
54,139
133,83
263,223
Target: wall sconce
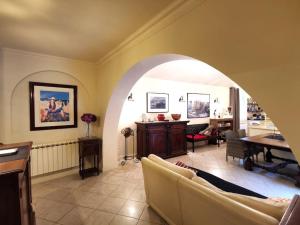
x,y
130,98
181,99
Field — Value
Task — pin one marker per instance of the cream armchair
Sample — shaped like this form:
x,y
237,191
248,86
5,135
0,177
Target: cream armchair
x,y
175,194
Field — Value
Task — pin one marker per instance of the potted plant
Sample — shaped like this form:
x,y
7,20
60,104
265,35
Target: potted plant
x,y
88,118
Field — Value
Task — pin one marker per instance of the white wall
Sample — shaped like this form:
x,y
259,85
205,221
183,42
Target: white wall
x,y
20,67
132,110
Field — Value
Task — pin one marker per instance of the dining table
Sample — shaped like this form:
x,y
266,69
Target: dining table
x,y
270,141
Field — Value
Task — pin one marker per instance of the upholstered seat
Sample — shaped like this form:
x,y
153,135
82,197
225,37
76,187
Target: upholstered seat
x,y
196,137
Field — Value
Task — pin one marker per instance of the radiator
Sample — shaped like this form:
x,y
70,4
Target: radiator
x,y
53,157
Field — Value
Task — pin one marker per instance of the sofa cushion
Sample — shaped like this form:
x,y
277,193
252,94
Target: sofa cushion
x,y
205,183
177,169
268,206
197,137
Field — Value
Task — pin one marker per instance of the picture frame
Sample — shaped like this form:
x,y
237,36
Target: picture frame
x,y
157,102
198,105
52,106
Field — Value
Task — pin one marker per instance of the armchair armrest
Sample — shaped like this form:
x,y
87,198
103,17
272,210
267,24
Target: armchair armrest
x,y
292,214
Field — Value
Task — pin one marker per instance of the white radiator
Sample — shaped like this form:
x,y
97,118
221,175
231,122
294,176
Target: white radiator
x,y
52,157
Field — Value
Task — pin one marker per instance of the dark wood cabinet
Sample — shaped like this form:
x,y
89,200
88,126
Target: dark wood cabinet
x,y
90,147
165,139
15,182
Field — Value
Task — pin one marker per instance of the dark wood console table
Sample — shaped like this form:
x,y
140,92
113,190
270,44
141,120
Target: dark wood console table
x,y
15,181
270,141
90,147
165,139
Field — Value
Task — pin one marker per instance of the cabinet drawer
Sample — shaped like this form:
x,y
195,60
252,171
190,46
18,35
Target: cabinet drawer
x,y
89,149
157,128
178,126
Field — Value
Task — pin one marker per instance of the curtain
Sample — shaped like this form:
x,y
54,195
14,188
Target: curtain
x,y
234,102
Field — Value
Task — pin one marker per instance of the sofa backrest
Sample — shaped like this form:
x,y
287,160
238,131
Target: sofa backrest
x,y
181,201
196,128
162,191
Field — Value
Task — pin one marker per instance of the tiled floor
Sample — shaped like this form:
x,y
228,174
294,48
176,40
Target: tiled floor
x,y
117,197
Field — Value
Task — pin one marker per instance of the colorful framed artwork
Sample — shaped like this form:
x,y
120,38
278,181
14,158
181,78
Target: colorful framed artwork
x,y
198,105
157,102
52,106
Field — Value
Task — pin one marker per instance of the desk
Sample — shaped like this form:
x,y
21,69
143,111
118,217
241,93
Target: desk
x,y
270,141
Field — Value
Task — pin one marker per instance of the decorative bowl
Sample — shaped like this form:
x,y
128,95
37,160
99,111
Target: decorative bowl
x,y
160,117
176,116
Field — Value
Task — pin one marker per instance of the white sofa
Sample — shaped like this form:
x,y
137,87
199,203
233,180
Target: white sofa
x,y
183,199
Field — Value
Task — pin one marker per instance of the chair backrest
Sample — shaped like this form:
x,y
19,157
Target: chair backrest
x,y
242,133
230,134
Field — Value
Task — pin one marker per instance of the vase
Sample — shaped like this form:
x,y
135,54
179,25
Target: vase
x,y
160,117
88,130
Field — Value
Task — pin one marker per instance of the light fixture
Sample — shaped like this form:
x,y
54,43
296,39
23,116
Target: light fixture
x,y
181,99
130,98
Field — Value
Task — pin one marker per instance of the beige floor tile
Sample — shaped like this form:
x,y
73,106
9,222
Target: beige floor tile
x,y
150,215
57,194
99,218
76,216
85,199
138,195
112,205
51,210
141,222
71,182
121,193
99,187
132,209
40,221
123,220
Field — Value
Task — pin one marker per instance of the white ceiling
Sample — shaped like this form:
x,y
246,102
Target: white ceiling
x,y
191,71
80,29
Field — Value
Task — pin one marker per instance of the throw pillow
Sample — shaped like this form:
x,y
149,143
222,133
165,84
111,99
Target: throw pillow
x,y
177,169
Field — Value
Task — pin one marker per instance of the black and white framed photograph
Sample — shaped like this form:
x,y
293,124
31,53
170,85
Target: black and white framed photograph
x,y
157,102
198,105
52,106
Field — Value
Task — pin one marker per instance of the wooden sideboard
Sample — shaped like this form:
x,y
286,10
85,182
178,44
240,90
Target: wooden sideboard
x,y
165,139
15,182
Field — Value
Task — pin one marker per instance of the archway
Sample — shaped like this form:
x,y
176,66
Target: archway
x,y
120,93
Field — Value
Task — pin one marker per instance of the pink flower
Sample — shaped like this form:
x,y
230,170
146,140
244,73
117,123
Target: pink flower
x,y
88,118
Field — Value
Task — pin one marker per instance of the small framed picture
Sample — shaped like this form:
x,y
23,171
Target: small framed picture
x,y
198,105
157,102
52,106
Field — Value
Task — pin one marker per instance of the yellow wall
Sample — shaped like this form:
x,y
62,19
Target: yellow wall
x,y
255,43
1,97
21,67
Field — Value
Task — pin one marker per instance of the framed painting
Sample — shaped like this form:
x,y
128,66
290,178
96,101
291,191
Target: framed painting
x,y
52,106
198,105
157,102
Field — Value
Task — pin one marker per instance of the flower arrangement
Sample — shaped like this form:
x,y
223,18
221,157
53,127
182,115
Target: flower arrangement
x,y
88,118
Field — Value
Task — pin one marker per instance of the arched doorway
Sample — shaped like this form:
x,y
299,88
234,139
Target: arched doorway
x,y
113,114
120,93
